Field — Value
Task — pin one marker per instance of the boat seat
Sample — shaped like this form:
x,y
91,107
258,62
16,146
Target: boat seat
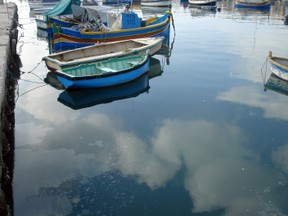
x,y
107,69
133,63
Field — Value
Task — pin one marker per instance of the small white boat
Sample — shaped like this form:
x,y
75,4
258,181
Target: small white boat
x,y
279,66
101,51
202,2
40,4
156,3
152,11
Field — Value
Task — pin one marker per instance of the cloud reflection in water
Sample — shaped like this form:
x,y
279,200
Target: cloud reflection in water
x,y
220,171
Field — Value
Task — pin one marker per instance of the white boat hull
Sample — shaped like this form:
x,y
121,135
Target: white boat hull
x,y
156,3
40,5
279,66
279,72
101,51
202,2
41,24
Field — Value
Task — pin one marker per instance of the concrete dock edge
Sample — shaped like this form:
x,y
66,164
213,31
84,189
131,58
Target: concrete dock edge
x,y
9,73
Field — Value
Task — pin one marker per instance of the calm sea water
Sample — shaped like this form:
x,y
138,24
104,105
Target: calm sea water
x,y
200,137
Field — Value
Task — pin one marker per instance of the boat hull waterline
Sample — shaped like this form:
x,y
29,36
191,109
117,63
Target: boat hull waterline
x,y
88,76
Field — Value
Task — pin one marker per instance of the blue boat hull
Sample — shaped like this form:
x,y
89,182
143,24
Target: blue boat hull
x,y
115,2
265,6
105,81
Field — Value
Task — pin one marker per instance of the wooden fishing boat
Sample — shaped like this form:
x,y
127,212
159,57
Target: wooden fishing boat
x,y
65,20
85,13
102,51
276,84
83,98
279,66
253,4
111,72
62,14
156,3
38,4
114,2
127,26
38,11
63,7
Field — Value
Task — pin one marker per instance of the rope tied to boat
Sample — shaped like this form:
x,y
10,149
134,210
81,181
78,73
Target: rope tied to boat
x,y
172,20
265,64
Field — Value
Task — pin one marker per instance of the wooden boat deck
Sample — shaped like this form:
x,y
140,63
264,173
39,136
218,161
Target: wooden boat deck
x,y
104,67
283,62
90,53
279,61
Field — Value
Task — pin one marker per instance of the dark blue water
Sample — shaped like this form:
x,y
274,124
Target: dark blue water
x,y
200,137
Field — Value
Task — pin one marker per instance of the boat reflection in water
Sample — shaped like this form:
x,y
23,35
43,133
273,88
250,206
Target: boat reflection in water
x,y
167,47
52,80
78,99
83,98
203,11
276,84
155,68
154,10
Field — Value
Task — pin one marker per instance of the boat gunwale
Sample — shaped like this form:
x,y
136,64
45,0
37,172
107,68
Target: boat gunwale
x,y
272,61
78,39
167,20
253,4
136,40
59,19
104,75
157,41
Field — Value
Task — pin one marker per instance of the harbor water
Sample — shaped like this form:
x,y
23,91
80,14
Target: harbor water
x,y
201,135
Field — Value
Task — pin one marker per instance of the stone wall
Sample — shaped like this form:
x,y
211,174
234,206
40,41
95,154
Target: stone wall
x,y
9,74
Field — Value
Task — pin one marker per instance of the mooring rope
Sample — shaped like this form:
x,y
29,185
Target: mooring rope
x,y
172,20
23,72
24,93
31,72
265,72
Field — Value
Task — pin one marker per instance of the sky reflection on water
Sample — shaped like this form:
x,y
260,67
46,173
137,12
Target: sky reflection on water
x,y
204,140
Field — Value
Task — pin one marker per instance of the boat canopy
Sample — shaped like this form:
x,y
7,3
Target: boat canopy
x,y
61,8
85,14
93,18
